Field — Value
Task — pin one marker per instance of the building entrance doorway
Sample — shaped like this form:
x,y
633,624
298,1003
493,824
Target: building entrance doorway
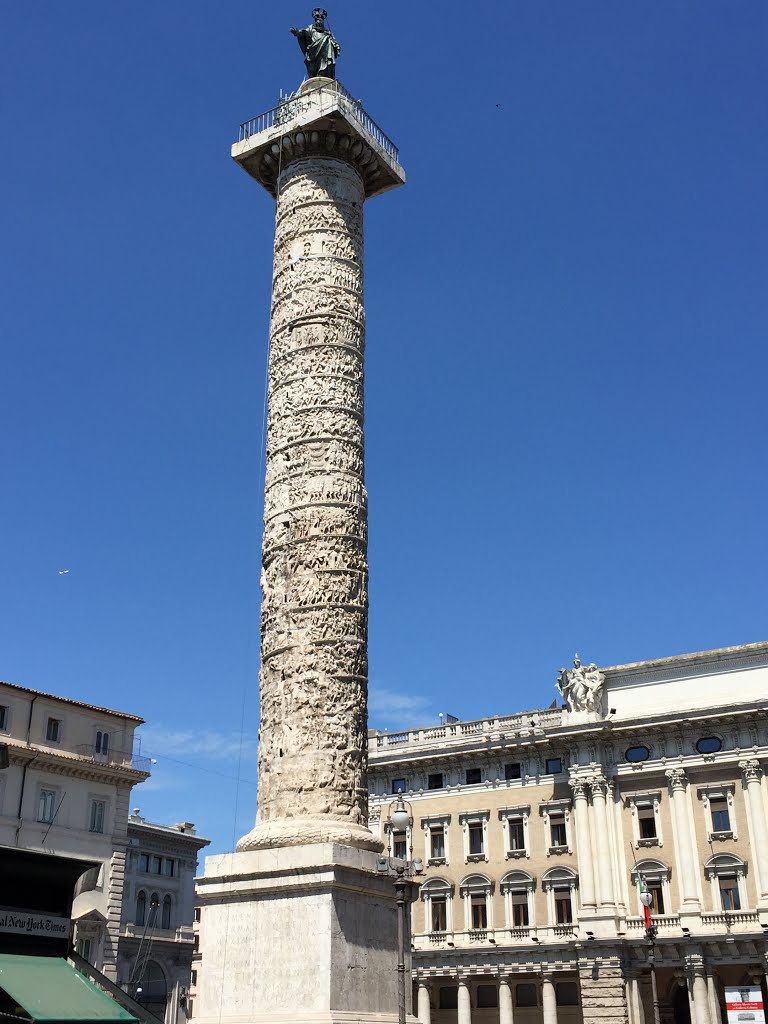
x,y
681,1005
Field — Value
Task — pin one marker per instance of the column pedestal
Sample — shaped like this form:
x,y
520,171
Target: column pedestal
x,y
298,934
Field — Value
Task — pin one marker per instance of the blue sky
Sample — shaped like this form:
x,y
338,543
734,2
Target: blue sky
x,y
566,365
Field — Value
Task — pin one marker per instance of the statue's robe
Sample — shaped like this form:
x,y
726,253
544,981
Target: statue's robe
x,y
320,51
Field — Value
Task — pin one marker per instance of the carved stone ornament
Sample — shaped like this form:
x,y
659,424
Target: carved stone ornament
x,y
579,787
677,778
581,686
314,614
751,769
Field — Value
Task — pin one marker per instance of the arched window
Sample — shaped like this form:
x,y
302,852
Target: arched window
x,y
154,907
517,888
166,920
726,873
476,891
560,887
655,877
437,895
141,908
151,989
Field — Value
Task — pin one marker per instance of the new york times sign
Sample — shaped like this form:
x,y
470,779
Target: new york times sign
x,y
20,923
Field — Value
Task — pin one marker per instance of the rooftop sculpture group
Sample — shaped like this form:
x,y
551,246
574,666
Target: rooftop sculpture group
x,y
319,46
581,686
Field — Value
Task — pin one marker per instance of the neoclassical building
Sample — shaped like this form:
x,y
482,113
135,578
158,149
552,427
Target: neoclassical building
x,y
535,828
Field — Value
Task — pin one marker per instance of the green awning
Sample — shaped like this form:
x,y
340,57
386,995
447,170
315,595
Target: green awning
x,y
53,992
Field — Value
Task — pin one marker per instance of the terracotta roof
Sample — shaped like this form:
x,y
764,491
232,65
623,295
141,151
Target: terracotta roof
x,y
77,703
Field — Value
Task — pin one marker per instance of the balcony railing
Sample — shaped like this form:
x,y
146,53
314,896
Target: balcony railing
x,y
183,933
293,106
662,922
457,730
121,758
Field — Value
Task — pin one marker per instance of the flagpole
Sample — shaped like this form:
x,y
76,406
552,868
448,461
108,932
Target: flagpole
x,y
650,936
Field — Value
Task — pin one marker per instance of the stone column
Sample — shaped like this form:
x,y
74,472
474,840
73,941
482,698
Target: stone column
x,y
583,844
548,999
714,1002
506,1013
314,611
635,1000
599,787
464,1004
689,891
697,989
424,1008
752,772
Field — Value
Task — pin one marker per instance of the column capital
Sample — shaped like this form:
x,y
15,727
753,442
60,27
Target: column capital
x,y
751,769
579,787
598,783
677,778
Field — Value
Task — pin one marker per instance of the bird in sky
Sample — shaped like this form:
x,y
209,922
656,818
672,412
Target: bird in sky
x,y
63,572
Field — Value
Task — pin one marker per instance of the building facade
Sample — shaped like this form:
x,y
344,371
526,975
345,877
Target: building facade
x,y
538,830
66,791
156,937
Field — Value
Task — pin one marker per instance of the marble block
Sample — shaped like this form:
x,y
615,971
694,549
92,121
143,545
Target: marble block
x,y
298,934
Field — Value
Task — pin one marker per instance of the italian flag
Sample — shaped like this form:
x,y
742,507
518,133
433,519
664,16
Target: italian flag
x,y
643,888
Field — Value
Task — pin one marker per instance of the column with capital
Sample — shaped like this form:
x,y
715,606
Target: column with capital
x,y
599,786
464,1004
752,772
548,999
583,844
506,1014
697,990
714,1002
678,782
423,1005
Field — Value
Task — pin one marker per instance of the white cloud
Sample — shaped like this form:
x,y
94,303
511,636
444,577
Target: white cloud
x,y
158,741
390,709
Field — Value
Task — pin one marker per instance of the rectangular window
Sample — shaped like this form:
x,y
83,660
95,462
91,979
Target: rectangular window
x,y
399,785
46,806
449,997
646,821
475,839
516,834
557,829
84,948
102,743
520,910
554,766
197,913
98,813
144,862
168,866
157,865
473,776
567,993
399,845
525,995
435,781
194,977
657,895
563,910
479,912
3,718
53,731
721,819
487,998
437,843
439,914
729,894
512,771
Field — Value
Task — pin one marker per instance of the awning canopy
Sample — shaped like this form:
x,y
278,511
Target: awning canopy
x,y
51,991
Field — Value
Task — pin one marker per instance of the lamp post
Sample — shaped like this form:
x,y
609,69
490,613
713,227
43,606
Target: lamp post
x,y
646,898
399,819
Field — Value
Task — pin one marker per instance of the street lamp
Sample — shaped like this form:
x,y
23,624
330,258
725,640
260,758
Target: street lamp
x,y
399,819
646,898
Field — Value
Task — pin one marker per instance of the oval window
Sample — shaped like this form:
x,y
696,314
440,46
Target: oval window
x,y
709,744
637,754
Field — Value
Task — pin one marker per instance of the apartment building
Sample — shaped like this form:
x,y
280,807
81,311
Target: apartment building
x,y
66,791
538,831
156,936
